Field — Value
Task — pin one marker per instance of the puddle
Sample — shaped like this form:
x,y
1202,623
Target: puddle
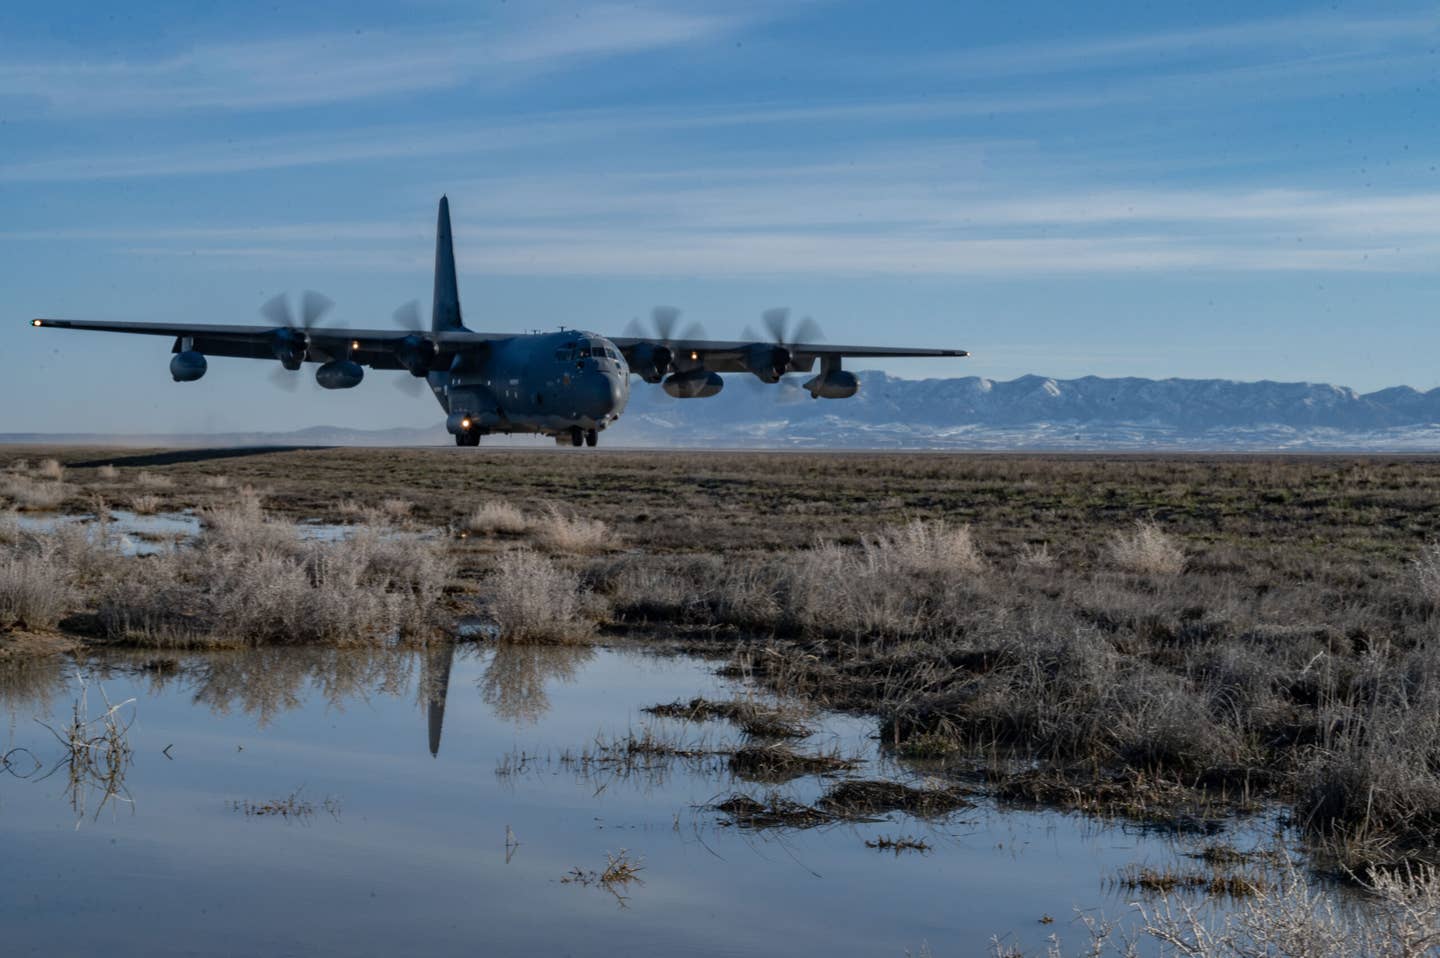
x,y
304,801
148,534
137,534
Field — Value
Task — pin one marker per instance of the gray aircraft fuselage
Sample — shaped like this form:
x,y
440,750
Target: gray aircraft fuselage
x,y
549,383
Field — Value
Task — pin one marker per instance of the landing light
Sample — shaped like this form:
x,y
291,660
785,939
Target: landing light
x,y
694,354
464,424
355,344
36,322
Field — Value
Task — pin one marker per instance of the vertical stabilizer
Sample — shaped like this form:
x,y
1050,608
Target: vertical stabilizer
x,y
445,313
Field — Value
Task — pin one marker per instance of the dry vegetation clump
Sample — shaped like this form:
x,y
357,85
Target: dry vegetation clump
x,y
34,591
856,798
154,480
898,844
107,473
775,763
145,504
753,718
1147,550
1218,882
923,548
910,581
397,510
774,811
50,469
556,532
532,598
495,517
1290,919
216,482
1035,557
27,494
250,579
1426,569
9,526
646,588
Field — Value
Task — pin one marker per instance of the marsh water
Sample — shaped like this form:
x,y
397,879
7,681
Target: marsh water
x,y
299,802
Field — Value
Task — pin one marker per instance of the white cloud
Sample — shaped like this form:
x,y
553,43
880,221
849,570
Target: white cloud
x,y
338,67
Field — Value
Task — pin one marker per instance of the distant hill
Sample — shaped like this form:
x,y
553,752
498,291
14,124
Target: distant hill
x,y
1031,412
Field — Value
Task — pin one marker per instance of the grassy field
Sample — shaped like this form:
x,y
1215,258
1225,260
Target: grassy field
x,y
1173,638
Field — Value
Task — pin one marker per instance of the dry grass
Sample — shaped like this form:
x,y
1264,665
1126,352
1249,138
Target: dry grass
x,y
50,469
35,592
216,482
923,548
1147,550
898,844
556,532
1290,919
250,579
753,718
495,517
28,495
146,504
107,473
397,510
1426,569
532,598
154,480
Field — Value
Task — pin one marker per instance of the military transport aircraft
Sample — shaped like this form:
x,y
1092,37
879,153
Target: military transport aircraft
x,y
568,384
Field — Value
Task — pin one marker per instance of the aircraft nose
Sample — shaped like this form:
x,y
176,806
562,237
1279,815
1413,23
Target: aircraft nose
x,y
604,396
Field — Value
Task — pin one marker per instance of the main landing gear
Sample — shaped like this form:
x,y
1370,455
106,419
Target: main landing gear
x,y
579,437
470,437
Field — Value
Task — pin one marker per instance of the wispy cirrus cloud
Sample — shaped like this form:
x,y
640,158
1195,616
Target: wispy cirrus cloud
x,y
781,226
339,67
1309,38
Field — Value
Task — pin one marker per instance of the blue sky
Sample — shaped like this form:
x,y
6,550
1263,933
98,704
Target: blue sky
x,y
1220,189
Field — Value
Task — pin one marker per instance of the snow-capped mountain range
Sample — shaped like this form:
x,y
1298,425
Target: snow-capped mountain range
x,y
1037,412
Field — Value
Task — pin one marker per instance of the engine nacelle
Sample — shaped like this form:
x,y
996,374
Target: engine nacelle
x,y
694,384
289,346
188,366
836,384
340,374
416,353
766,361
650,362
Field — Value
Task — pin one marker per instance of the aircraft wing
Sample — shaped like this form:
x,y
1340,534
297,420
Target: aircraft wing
x,y
377,348
732,356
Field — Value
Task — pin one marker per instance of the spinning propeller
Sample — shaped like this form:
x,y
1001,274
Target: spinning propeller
x,y
654,357
771,361
292,339
416,351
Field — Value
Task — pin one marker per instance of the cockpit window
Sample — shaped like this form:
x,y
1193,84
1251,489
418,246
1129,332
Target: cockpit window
x,y
583,352
563,353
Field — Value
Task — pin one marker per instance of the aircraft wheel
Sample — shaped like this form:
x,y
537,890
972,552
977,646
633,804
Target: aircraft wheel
x,y
577,437
460,439
591,437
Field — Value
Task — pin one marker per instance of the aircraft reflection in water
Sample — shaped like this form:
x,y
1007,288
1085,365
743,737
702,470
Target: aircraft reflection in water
x,y
513,683
568,384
